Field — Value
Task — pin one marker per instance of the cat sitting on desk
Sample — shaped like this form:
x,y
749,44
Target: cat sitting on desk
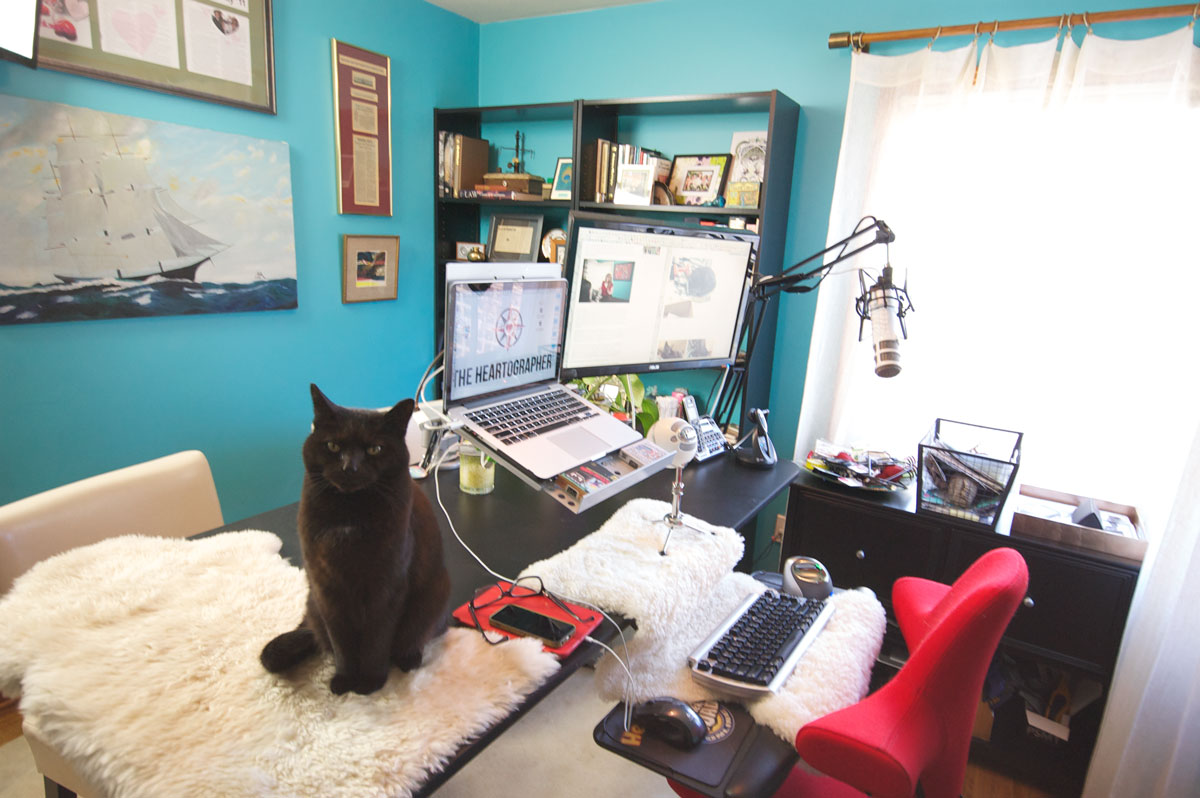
x,y
377,584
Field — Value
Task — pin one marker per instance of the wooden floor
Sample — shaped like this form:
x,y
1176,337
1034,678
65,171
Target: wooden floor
x,y
981,782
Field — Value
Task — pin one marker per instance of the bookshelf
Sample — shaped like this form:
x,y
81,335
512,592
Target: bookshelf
x,y
676,125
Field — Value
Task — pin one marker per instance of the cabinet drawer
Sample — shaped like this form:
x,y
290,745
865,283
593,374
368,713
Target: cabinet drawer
x,y
862,549
1073,608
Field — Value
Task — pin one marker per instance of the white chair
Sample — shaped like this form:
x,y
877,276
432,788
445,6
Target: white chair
x,y
171,496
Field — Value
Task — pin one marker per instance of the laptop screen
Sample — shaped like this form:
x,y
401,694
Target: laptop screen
x,y
502,335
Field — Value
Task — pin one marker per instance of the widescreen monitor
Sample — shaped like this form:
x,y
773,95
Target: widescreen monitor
x,y
19,30
648,295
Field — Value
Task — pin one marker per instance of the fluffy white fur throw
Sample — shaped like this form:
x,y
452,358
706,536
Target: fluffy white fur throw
x,y
677,599
137,657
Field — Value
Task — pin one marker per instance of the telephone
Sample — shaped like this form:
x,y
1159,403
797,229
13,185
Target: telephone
x,y
710,442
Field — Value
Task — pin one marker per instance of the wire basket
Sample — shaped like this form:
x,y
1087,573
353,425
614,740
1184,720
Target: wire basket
x,y
966,470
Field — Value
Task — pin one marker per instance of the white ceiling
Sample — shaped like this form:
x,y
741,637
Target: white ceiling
x,y
484,11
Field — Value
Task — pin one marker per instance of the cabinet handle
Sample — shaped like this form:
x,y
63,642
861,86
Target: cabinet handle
x,y
860,554
1028,602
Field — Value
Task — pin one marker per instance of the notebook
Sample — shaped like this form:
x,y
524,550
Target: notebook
x,y
503,353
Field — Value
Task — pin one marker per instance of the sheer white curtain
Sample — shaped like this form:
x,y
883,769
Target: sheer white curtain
x,y
1046,209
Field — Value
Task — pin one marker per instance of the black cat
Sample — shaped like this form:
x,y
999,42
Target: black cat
x,y
377,584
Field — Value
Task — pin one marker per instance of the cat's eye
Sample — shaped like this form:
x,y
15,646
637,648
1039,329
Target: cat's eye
x,y
374,450
333,447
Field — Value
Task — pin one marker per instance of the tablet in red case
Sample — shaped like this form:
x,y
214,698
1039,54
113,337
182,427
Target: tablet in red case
x,y
487,603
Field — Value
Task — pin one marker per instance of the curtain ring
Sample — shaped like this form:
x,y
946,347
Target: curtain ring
x,y
995,30
1087,23
1195,14
936,34
977,24
1062,20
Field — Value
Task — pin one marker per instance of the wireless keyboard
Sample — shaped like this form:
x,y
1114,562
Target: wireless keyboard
x,y
754,650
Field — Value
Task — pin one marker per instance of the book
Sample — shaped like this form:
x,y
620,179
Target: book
x,y
470,162
487,191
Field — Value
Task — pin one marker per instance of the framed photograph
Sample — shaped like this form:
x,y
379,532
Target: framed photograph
x,y
514,236
563,172
742,194
363,130
699,179
228,50
635,184
463,249
370,267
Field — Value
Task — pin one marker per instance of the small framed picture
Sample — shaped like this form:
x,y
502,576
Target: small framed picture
x,y
563,172
635,183
514,236
699,179
742,194
463,250
370,267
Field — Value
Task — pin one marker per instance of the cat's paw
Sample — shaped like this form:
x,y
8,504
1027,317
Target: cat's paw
x,y
409,661
342,683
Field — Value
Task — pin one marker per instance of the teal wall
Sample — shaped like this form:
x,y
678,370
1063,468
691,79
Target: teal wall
x,y
675,47
78,398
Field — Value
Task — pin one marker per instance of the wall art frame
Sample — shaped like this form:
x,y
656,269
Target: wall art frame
x,y
370,268
362,100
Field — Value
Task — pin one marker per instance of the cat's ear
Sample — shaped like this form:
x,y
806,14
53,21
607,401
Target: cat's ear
x,y
323,409
399,415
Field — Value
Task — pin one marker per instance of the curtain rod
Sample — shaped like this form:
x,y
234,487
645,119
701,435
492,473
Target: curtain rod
x,y
862,41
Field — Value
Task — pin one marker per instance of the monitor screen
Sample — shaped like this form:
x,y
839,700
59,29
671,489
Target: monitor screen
x,y
653,296
19,30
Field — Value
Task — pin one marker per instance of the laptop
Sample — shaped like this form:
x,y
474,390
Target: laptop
x,y
502,358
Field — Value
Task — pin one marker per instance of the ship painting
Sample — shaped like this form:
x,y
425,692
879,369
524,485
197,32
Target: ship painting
x,y
94,229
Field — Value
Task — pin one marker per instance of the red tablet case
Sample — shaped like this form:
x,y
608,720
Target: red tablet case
x,y
539,603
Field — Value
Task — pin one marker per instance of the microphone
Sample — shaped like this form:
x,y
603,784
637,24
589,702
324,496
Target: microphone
x,y
884,305
677,435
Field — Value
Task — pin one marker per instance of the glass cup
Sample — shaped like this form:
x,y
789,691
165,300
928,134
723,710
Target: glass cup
x,y
476,471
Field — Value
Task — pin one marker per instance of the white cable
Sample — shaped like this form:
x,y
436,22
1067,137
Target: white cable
x,y
628,684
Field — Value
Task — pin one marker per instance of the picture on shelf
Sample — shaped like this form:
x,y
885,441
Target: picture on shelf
x,y
514,237
635,183
699,179
563,173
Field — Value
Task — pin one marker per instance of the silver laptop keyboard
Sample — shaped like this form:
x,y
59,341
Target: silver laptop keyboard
x,y
527,417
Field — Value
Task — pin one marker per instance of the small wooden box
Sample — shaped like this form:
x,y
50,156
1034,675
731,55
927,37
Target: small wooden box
x,y
515,181
1029,522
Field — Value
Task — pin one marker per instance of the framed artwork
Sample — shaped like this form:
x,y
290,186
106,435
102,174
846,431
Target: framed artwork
x,y
363,130
370,268
463,249
561,188
554,245
192,221
514,236
222,52
635,183
699,179
742,194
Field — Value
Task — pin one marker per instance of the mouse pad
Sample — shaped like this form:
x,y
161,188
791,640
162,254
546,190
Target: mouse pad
x,y
490,601
717,762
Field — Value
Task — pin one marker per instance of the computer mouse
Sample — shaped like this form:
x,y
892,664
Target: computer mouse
x,y
671,720
804,576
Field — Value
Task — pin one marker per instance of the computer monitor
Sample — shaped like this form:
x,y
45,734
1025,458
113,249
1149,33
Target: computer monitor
x,y
652,296
19,30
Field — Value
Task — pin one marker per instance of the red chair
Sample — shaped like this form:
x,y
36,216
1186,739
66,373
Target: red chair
x,y
917,727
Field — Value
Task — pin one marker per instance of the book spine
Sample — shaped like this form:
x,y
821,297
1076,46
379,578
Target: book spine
x,y
612,173
457,163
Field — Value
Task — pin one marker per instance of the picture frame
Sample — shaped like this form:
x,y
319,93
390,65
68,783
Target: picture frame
x,y
370,268
362,97
228,51
635,184
463,249
699,179
742,194
514,237
563,179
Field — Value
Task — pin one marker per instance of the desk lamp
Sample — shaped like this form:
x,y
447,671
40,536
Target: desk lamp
x,y
882,303
676,435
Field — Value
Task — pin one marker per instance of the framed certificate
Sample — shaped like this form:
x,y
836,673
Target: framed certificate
x,y
514,237
363,129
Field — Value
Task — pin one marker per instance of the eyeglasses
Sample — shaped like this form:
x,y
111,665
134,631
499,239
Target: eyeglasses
x,y
525,587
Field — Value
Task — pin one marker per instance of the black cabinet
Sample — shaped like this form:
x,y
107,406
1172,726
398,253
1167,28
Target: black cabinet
x,y
1071,619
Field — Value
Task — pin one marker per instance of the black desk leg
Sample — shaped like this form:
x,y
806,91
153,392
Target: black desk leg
x,y
54,790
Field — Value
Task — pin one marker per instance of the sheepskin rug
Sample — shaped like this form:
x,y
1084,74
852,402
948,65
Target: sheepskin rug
x,y
677,599
137,657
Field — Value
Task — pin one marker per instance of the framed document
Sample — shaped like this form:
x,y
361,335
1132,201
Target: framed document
x,y
514,237
370,271
363,130
223,52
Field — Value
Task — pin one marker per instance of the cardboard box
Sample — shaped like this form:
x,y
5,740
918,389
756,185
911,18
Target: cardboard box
x,y
1046,514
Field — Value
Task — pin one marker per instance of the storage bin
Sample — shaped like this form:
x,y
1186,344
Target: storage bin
x,y
966,470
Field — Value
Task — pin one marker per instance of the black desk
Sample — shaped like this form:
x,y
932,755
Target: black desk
x,y
515,525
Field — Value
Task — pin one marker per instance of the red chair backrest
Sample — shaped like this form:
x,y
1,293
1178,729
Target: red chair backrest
x,y
917,727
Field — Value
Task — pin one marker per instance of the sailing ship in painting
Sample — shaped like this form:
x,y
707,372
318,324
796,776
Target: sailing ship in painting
x,y
98,234
114,222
